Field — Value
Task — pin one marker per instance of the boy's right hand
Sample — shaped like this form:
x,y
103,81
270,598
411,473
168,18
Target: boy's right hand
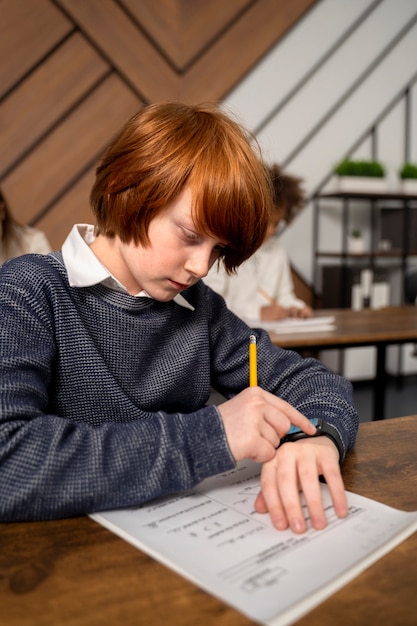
x,y
255,421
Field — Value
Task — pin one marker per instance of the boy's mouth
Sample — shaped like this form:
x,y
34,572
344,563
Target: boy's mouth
x,y
179,286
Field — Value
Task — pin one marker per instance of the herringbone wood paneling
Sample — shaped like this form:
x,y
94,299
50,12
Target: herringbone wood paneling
x,y
73,71
185,30
39,103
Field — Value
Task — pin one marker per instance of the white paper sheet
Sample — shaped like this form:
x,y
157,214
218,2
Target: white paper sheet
x,y
295,324
213,536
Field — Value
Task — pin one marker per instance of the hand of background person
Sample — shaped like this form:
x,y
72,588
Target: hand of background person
x,y
255,421
295,468
274,312
303,312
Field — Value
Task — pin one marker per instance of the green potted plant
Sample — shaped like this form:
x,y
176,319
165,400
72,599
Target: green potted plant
x,y
366,176
408,178
356,241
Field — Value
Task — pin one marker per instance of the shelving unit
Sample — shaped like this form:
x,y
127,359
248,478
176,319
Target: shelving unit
x,y
340,275
398,211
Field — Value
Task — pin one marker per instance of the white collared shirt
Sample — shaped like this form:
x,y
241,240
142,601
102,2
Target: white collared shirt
x,y
84,269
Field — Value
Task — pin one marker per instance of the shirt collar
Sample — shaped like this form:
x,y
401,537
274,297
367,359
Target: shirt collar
x,y
84,269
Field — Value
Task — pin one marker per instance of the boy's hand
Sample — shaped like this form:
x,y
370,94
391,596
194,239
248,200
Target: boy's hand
x,y
296,467
256,420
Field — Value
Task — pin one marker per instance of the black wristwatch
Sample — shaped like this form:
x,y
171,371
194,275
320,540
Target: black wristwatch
x,y
323,428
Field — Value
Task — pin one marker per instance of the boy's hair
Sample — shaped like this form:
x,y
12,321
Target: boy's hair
x,y
169,146
288,192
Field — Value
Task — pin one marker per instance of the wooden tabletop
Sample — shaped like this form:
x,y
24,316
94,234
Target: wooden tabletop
x,y
354,328
74,572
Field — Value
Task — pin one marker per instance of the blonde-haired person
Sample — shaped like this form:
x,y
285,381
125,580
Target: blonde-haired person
x,y
17,239
263,287
116,341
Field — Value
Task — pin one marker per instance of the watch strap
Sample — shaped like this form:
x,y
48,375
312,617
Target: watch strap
x,y
332,433
323,429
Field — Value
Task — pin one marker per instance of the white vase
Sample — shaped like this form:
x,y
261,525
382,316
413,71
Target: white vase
x,y
356,245
409,186
361,184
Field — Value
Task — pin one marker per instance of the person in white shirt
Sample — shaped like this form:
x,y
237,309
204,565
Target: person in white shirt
x,y
262,288
17,239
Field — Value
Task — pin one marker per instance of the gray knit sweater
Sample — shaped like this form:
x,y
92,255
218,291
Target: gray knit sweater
x,y
102,395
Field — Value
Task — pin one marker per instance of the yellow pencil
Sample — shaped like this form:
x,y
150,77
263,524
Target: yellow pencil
x,y
266,295
253,370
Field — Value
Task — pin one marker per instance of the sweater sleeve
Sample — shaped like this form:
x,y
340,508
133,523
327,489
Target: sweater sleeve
x,y
305,383
53,466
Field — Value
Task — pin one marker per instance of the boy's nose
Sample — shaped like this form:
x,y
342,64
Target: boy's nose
x,y
198,264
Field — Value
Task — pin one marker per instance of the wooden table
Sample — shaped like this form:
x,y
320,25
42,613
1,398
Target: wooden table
x,y
76,573
367,327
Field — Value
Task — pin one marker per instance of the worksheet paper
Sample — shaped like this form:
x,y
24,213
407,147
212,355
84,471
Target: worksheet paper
x,y
213,536
295,324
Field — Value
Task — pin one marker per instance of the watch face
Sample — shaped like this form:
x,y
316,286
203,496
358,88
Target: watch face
x,y
295,433
296,429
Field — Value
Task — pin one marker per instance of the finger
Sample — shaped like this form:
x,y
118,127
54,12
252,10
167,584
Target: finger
x,y
336,487
329,468
281,495
339,499
262,452
310,486
290,492
260,504
269,433
310,469
276,420
291,413
269,499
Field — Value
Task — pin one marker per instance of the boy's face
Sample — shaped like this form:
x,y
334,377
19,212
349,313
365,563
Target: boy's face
x,y
176,258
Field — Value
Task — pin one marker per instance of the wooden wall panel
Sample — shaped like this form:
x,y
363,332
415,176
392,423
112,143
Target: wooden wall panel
x,y
72,208
240,47
46,96
125,47
73,71
71,148
184,30
28,30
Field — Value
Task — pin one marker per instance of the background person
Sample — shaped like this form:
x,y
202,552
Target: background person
x,y
263,287
17,239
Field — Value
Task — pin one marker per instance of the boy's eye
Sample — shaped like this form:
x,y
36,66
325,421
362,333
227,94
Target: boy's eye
x,y
189,235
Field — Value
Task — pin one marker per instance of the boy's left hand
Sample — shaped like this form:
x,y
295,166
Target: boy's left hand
x,y
296,467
